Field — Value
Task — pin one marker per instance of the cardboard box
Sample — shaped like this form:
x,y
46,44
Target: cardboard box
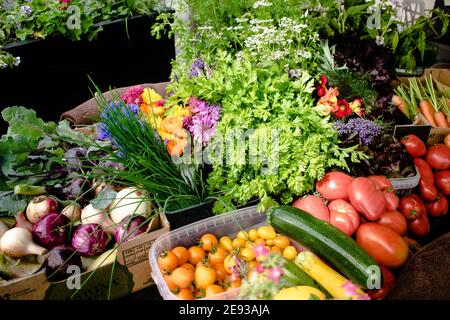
x,y
441,78
130,273
437,135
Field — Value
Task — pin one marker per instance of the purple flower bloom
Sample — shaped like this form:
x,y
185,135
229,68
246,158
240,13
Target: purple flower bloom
x,y
200,68
203,120
27,10
102,131
367,130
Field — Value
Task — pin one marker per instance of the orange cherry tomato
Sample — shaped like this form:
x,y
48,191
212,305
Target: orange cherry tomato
x,y
221,273
188,266
185,294
217,255
213,289
167,261
207,241
169,282
182,277
182,254
205,276
196,254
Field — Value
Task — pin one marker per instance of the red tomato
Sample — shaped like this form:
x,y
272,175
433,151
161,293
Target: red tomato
x,y
438,157
413,245
381,182
425,170
383,244
366,199
334,186
388,283
345,207
314,206
411,207
419,227
427,190
414,146
439,207
342,221
395,221
392,201
443,181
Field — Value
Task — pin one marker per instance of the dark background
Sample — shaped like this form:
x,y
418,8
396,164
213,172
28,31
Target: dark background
x,y
53,74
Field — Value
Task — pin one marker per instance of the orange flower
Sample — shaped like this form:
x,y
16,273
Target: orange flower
x,y
176,146
151,110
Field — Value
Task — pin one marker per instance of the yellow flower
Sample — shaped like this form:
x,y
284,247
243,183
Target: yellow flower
x,y
180,111
150,96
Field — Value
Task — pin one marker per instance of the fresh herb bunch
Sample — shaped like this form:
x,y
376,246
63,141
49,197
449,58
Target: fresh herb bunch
x,y
268,30
265,100
388,156
39,19
353,85
33,157
147,163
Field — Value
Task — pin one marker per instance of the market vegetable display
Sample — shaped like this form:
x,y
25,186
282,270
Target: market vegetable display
x,y
325,240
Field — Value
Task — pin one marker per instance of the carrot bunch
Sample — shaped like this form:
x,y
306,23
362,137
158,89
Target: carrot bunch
x,y
416,98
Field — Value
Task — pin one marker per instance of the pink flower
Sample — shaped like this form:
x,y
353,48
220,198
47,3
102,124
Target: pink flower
x,y
275,273
350,288
133,95
259,268
364,296
161,102
260,251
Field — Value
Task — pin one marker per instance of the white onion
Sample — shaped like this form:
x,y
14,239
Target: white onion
x,y
18,243
72,211
91,215
130,201
3,229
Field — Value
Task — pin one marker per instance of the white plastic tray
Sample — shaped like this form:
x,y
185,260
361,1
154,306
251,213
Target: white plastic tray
x,y
223,225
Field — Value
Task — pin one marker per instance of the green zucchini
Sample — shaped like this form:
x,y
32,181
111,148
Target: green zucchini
x,y
329,243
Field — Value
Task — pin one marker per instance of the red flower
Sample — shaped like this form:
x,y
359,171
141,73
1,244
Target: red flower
x,y
322,87
343,109
321,91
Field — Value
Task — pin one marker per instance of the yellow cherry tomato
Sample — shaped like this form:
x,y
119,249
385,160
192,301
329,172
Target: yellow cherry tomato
x,y
281,242
247,254
242,235
252,264
276,250
266,232
253,234
269,242
238,243
290,252
259,241
229,263
226,243
252,276
249,244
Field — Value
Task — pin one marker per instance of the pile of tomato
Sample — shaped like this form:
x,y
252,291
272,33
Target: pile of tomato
x,y
209,267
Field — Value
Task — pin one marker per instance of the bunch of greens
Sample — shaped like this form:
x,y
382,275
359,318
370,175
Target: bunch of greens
x,y
384,23
38,19
278,30
31,154
142,152
277,110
